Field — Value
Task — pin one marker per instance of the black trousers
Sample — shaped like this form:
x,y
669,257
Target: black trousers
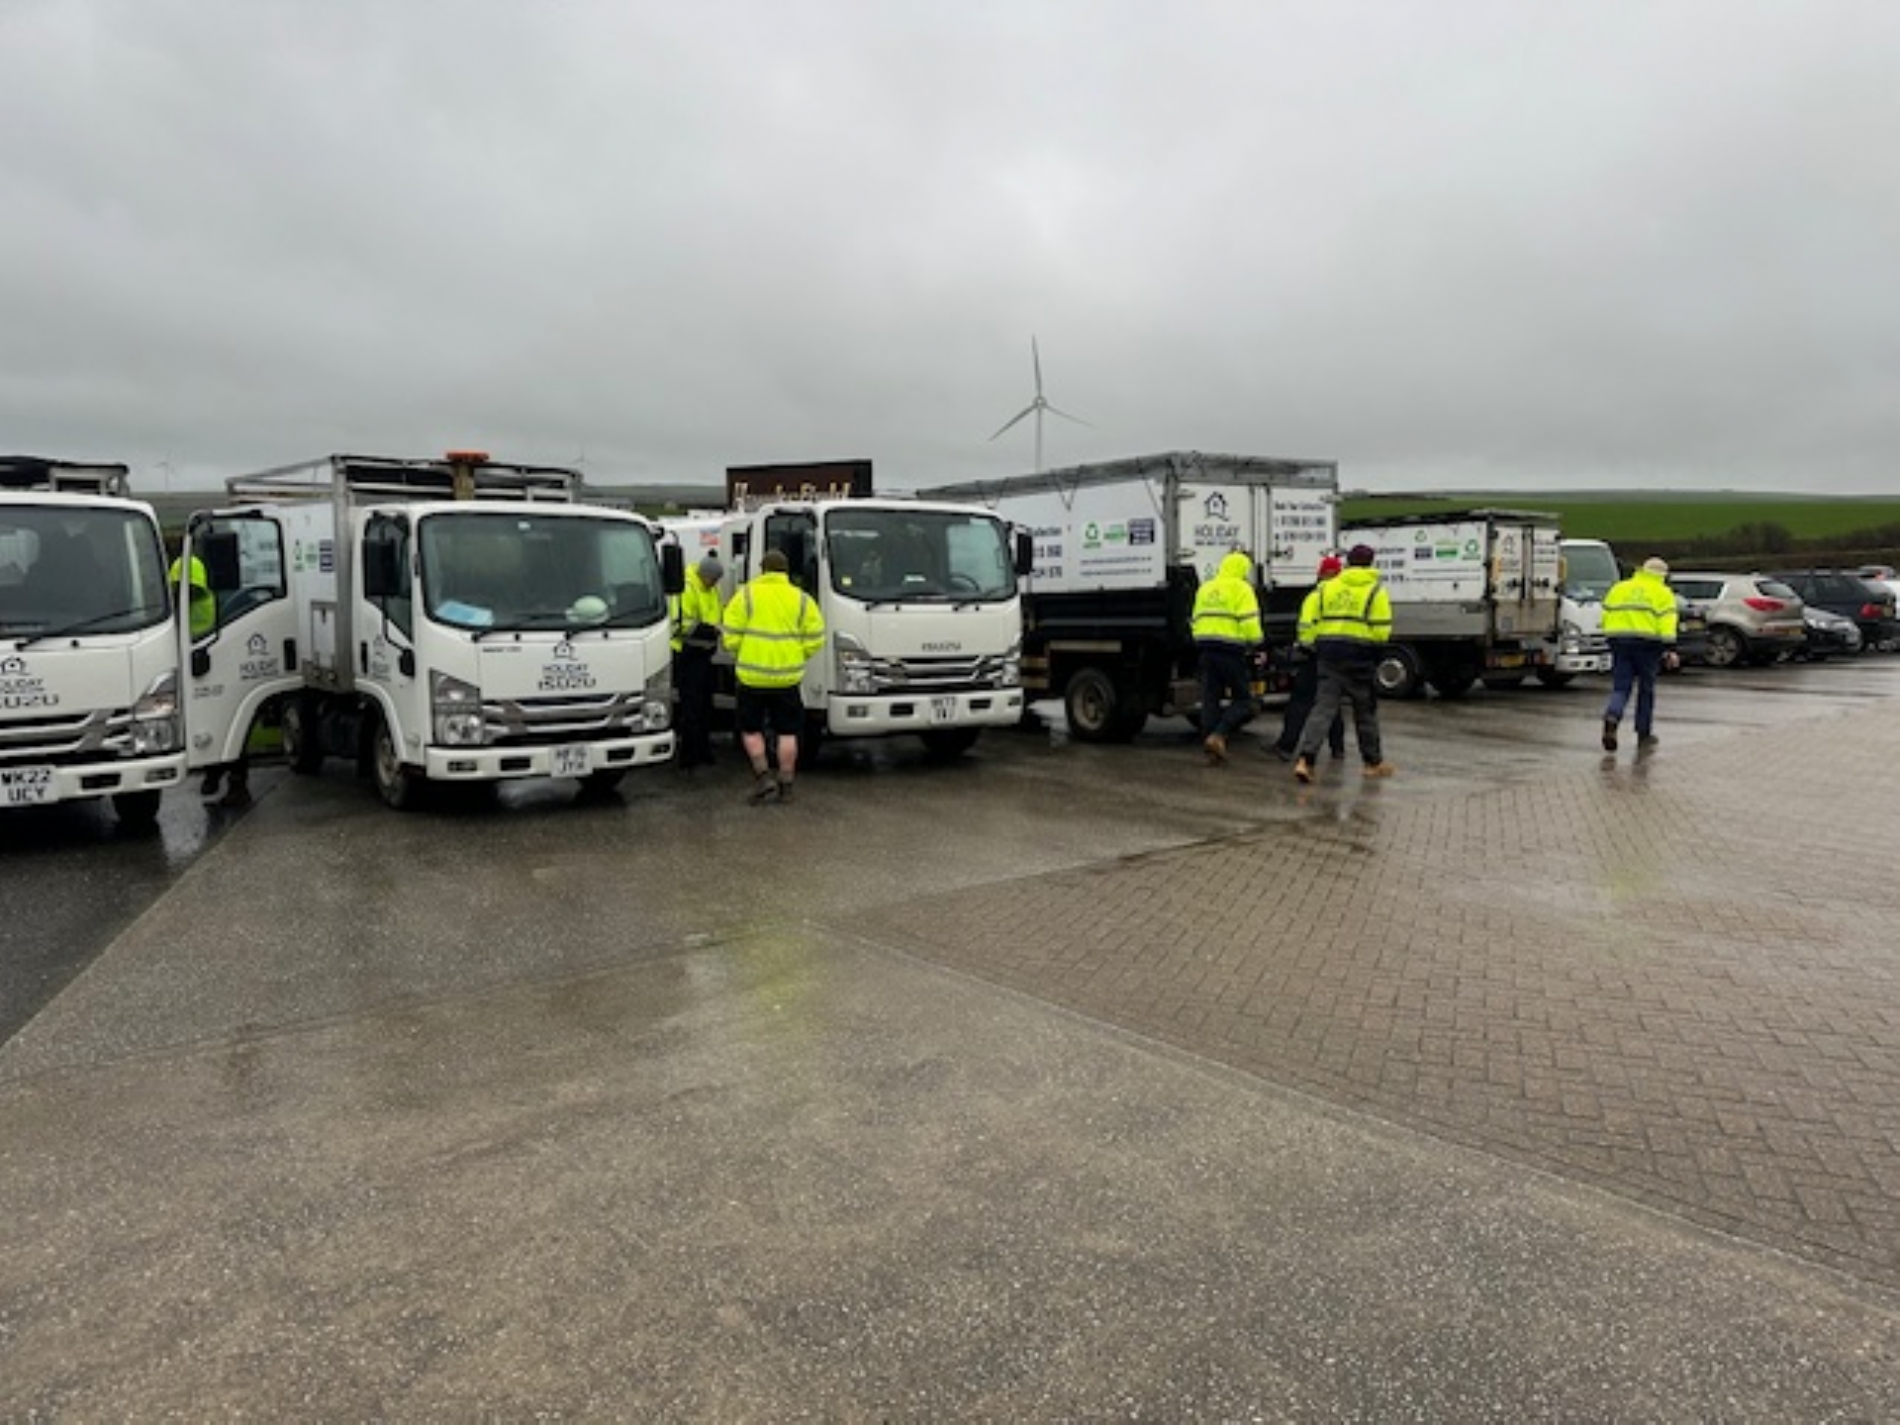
x,y
692,678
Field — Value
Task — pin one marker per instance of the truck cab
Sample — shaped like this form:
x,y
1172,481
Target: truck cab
x,y
433,621
1589,571
922,610
88,657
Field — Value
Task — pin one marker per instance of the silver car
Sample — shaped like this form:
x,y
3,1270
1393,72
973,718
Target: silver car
x,y
1752,618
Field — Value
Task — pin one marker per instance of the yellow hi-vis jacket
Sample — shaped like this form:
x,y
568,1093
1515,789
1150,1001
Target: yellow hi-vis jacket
x,y
696,604
771,628
203,613
1226,609
1641,606
1350,607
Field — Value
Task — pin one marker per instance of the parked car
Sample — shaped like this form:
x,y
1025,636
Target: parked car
x,y
1829,633
1869,605
1752,618
1882,576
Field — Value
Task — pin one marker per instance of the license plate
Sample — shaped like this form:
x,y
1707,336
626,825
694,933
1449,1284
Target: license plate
x,y
25,786
943,709
570,761
1510,660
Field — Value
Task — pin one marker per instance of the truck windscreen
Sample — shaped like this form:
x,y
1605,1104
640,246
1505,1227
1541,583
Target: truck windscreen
x,y
1589,571
497,571
70,568
944,556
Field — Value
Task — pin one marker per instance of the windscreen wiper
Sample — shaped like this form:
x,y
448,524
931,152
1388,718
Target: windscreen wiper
x,y
84,624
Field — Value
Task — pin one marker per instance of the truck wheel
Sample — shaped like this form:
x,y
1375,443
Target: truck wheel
x,y
949,742
1092,705
1396,673
811,738
397,785
1551,678
297,722
136,810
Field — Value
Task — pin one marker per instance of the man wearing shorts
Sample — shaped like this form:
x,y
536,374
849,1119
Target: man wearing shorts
x,y
772,628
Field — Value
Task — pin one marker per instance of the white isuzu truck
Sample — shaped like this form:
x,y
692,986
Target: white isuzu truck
x,y
88,657
452,620
1474,596
1119,550
921,602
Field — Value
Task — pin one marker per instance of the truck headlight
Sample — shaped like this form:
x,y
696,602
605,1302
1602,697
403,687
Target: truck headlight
x,y
155,717
657,701
1012,674
856,671
1571,637
457,709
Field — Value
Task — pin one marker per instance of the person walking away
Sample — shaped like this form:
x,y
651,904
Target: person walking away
x,y
1639,619
696,614
1305,689
772,628
1347,618
1226,630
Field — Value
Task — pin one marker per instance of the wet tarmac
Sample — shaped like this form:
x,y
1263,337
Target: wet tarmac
x,y
915,1099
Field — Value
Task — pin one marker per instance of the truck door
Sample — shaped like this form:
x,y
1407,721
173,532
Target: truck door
x,y
385,626
1511,555
238,646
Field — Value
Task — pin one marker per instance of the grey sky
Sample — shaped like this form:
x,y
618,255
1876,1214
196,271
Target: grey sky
x,y
1448,242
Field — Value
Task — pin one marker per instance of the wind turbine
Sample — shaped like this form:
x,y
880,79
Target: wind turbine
x,y
1038,406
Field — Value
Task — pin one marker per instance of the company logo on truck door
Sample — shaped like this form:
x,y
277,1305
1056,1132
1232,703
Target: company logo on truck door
x,y
567,673
20,689
258,659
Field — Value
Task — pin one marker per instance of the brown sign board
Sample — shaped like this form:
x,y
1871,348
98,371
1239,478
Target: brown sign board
x,y
748,485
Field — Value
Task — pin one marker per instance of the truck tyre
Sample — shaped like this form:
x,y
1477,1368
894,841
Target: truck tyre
x,y
811,738
297,723
1551,678
136,811
1092,705
946,743
398,786
1396,673
1726,648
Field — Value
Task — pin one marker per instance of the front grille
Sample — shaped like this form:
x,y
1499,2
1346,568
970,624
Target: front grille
x,y
942,675
70,737
544,722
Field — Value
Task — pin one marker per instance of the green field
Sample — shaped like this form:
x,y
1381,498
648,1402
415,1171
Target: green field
x,y
1668,518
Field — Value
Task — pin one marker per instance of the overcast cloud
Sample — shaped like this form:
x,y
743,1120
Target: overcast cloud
x,y
1447,242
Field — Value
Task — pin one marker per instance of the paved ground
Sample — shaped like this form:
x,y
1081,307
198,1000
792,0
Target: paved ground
x,y
1066,1083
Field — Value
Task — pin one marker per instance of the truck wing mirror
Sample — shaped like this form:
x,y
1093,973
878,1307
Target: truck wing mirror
x,y
382,570
1025,552
672,568
218,552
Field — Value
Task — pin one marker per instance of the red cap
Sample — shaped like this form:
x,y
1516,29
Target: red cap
x,y
1330,566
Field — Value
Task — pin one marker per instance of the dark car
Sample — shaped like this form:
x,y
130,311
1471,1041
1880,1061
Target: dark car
x,y
1869,605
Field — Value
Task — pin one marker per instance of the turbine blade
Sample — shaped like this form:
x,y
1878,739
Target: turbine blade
x,y
1026,410
1065,415
1035,357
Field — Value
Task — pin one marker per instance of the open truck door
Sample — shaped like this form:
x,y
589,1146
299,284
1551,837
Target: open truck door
x,y
238,633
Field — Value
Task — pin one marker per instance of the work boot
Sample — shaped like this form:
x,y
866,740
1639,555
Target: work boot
x,y
1380,769
1303,770
1609,734
784,789
1647,741
764,789
1216,746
